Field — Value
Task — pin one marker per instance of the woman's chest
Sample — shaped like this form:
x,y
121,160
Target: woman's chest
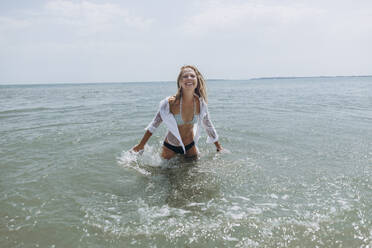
x,y
187,113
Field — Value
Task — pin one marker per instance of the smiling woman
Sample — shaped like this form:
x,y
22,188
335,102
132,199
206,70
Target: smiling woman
x,y
180,113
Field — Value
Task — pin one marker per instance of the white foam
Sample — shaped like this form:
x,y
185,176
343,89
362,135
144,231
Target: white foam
x,y
129,159
225,151
149,157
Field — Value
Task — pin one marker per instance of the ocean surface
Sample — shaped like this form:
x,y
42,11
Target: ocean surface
x,y
297,170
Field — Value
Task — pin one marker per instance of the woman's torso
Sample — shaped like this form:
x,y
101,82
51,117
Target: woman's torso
x,y
189,112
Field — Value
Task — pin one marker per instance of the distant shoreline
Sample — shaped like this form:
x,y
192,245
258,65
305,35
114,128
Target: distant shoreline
x,y
167,81
353,76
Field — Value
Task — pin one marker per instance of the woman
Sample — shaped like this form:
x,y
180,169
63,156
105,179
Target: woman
x,y
180,113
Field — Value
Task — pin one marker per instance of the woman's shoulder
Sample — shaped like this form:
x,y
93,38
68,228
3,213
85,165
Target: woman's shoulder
x,y
167,101
202,101
203,106
171,99
198,99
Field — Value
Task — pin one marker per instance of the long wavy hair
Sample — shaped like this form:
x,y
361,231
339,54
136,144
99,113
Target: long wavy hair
x,y
201,88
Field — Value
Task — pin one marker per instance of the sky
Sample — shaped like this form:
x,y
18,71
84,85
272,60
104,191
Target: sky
x,y
51,41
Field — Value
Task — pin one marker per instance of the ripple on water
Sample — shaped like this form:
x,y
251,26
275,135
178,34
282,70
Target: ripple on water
x,y
279,211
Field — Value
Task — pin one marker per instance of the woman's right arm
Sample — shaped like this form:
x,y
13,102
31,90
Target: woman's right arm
x,y
143,142
150,129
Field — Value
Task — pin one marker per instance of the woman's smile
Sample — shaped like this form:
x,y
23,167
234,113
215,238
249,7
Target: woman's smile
x,y
189,78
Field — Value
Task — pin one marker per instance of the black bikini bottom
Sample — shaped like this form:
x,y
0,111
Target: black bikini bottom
x,y
178,149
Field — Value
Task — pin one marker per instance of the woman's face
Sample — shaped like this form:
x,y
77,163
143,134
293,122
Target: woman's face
x,y
189,80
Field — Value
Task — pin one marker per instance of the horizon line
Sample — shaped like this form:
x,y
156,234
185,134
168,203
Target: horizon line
x,y
166,81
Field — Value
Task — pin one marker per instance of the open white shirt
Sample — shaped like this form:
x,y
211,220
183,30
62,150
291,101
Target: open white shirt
x,y
165,115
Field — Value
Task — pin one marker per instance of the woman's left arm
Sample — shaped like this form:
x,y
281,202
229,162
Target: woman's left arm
x,y
218,146
211,131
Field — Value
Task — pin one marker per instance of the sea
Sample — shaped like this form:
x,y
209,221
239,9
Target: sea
x,y
296,169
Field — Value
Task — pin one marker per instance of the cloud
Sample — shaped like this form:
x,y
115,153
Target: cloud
x,y
7,24
217,16
286,17
60,39
95,17
82,18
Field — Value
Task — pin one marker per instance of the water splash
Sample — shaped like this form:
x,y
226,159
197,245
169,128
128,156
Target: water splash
x,y
143,161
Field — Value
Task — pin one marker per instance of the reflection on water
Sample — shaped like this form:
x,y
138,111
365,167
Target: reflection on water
x,y
189,185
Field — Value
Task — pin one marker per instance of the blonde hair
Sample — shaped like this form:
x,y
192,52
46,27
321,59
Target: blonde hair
x,y
201,88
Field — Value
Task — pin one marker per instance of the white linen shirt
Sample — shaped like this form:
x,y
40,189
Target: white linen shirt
x,y
165,115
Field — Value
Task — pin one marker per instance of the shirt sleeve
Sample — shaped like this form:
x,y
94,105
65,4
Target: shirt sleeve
x,y
154,124
209,128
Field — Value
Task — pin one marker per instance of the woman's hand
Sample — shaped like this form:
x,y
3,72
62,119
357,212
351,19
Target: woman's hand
x,y
218,146
141,145
138,148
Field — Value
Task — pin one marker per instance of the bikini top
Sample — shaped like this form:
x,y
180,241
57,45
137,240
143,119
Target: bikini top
x,y
178,117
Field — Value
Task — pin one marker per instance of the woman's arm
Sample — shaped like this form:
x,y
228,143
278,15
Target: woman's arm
x,y
143,142
150,129
155,123
211,131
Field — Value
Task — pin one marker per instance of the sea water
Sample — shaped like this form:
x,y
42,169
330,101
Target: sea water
x,y
298,172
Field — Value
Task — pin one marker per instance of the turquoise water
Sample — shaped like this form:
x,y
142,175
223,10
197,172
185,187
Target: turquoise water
x,y
298,174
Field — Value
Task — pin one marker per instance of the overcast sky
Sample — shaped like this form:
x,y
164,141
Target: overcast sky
x,y
118,41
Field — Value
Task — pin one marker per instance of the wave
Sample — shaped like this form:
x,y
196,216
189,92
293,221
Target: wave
x,y
37,109
50,125
12,111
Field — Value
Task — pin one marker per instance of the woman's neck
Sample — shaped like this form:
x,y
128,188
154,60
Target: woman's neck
x,y
187,96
